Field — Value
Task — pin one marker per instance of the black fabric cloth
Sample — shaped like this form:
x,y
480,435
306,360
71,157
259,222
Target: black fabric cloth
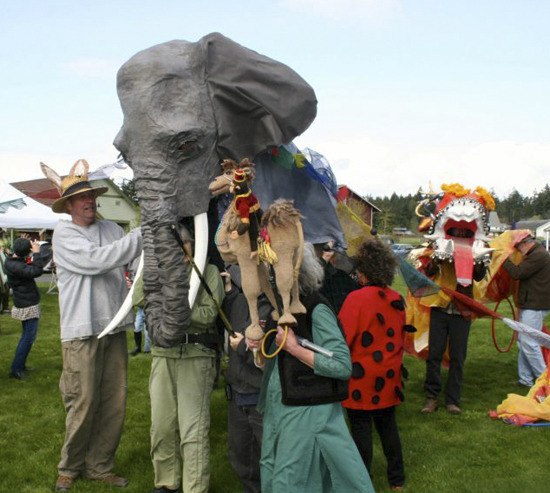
x,y
299,384
454,330
385,423
21,280
336,286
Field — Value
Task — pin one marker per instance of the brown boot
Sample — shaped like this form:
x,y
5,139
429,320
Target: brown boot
x,y
453,409
430,406
64,483
111,479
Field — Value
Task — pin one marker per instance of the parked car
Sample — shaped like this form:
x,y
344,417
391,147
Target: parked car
x,y
401,249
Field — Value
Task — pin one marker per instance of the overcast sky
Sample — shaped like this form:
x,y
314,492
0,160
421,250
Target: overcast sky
x,y
409,91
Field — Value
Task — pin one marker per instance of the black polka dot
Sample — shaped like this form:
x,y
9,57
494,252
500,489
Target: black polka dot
x,y
381,318
398,304
375,399
390,346
390,374
377,356
357,371
356,395
390,332
382,294
379,384
409,328
399,394
366,339
404,372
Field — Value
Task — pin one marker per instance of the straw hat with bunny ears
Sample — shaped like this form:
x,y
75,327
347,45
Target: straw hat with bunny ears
x,y
73,184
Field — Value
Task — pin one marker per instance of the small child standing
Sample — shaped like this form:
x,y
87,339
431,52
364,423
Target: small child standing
x,y
373,319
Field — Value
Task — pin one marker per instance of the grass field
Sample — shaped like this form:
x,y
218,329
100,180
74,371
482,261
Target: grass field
x,y
443,453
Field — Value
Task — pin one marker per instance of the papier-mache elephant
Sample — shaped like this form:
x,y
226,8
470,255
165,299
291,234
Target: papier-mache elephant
x,y
187,106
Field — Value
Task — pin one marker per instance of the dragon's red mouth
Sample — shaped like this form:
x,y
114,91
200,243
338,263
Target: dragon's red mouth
x,y
460,229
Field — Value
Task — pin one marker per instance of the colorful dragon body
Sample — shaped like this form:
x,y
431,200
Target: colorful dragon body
x,y
456,222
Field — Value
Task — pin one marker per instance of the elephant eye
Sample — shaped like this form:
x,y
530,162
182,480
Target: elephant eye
x,y
188,147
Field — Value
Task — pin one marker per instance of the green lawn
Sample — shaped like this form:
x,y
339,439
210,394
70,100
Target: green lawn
x,y
443,453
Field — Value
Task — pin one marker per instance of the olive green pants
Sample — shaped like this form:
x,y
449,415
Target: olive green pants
x,y
180,389
93,386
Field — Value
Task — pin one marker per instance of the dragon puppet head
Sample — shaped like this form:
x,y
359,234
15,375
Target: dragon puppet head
x,y
457,227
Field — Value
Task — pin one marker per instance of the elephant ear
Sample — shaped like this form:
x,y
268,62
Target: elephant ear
x,y
258,102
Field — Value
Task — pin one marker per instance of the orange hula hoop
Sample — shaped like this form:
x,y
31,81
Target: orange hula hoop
x,y
514,333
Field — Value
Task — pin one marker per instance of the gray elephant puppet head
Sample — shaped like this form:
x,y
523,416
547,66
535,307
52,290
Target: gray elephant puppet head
x,y
186,106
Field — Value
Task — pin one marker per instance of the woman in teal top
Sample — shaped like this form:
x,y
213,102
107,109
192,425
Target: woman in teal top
x,y
306,445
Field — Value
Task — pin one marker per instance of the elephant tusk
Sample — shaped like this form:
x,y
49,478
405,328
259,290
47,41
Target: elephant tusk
x,y
126,306
201,248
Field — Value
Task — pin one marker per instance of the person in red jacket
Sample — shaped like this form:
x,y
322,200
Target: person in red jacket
x,y
373,319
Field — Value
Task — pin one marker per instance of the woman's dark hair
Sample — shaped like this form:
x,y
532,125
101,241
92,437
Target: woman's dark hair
x,y
376,261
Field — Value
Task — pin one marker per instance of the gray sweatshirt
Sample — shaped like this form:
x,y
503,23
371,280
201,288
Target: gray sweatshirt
x,y
90,264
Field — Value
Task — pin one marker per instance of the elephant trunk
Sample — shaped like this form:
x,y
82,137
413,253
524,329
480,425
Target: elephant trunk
x,y
165,285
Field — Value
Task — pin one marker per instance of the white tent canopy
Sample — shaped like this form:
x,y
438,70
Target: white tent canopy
x,y
33,216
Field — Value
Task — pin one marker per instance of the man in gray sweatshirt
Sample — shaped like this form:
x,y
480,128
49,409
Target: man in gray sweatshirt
x,y
91,257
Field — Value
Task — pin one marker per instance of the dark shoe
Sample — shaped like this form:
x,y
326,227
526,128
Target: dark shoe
x,y
453,409
64,483
135,351
163,489
18,375
111,479
430,406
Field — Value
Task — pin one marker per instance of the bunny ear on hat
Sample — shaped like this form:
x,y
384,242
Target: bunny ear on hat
x,y
74,183
51,175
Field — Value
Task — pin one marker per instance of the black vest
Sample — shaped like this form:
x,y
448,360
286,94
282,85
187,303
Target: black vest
x,y
300,386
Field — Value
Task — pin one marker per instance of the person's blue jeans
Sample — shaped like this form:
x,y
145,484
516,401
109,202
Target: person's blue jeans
x,y
530,360
139,326
28,336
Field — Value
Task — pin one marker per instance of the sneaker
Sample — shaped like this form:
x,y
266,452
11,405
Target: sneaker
x,y
135,351
453,409
18,375
430,406
163,489
110,479
64,483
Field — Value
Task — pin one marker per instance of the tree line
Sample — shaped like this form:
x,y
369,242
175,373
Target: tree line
x,y
398,211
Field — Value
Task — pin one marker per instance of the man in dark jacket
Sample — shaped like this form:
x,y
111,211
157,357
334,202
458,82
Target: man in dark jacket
x,y
533,273
244,379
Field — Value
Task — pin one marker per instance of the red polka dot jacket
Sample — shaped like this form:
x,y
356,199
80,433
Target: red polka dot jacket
x,y
373,319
